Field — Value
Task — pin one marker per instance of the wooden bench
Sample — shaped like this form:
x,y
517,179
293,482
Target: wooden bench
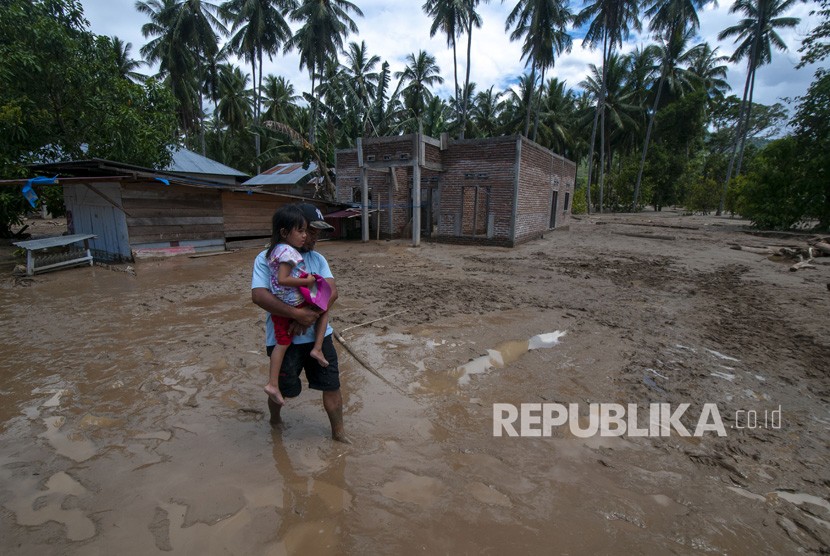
x,y
39,260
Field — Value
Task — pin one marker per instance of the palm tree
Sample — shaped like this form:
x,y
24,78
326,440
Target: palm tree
x,y
708,70
125,65
543,24
436,117
672,53
258,26
756,35
386,107
448,17
235,107
471,19
185,32
486,111
674,22
609,23
421,73
557,118
324,26
280,99
514,110
362,77
620,108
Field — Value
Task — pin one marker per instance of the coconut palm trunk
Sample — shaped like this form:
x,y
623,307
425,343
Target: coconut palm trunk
x,y
594,127
538,105
739,130
746,125
651,116
605,56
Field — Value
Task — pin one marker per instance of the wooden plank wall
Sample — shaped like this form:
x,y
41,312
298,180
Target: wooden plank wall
x,y
171,213
250,215
88,212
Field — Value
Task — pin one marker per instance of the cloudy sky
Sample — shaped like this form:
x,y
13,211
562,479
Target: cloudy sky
x,y
392,29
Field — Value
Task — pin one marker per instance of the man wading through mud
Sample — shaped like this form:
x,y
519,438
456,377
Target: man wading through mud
x,y
297,358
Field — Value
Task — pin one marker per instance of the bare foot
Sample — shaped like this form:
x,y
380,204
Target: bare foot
x,y
318,355
274,393
341,437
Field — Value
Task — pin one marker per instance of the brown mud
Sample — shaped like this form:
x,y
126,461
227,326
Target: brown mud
x,y
132,417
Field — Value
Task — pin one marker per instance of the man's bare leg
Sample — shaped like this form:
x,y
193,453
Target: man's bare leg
x,y
333,404
274,409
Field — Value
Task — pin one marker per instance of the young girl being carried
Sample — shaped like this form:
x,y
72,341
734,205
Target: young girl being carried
x,y
288,236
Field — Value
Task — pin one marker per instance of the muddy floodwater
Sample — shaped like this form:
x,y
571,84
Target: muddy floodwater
x,y
133,421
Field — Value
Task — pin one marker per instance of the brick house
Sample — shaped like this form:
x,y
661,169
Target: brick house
x,y
495,191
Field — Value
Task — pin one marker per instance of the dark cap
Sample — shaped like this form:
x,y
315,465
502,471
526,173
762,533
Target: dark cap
x,y
314,217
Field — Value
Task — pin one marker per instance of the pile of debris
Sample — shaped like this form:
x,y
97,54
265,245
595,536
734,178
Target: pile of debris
x,y
815,253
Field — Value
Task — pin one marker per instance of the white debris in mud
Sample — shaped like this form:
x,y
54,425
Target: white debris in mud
x,y
799,498
728,376
658,374
747,494
679,346
548,340
719,355
55,400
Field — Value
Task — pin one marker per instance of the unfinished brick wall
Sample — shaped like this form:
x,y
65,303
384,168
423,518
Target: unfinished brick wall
x,y
348,174
473,197
489,165
536,182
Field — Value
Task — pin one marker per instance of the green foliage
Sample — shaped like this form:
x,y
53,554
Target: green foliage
x,y
812,133
579,205
12,208
703,196
60,88
772,196
816,46
52,196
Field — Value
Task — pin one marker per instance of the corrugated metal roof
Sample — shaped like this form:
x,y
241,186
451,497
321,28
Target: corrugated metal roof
x,y
282,174
186,161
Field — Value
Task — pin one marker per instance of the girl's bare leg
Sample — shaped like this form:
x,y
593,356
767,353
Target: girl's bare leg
x,y
272,388
319,334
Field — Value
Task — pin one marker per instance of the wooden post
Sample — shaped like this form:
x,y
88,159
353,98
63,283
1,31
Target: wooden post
x,y
392,201
416,192
364,193
364,205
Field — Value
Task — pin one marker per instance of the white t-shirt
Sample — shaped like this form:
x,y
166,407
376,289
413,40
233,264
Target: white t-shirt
x,y
313,263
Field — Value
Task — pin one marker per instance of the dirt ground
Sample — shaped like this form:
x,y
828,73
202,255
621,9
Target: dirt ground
x,y
132,417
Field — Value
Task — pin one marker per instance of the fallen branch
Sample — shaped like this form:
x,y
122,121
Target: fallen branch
x,y
647,236
802,264
823,247
756,250
366,365
372,321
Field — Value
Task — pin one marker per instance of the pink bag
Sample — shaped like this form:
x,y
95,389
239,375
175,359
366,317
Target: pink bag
x,y
318,294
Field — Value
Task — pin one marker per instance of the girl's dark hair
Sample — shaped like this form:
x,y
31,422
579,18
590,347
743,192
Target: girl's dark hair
x,y
286,218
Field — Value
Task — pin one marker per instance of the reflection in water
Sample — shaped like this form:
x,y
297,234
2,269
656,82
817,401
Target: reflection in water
x,y
315,505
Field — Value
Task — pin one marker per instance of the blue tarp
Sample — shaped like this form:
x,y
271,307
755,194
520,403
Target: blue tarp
x,y
29,192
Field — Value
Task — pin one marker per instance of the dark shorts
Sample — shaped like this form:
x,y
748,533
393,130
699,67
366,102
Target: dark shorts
x,y
297,358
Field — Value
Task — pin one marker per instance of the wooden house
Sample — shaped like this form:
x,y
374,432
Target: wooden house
x,y
133,210
288,178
